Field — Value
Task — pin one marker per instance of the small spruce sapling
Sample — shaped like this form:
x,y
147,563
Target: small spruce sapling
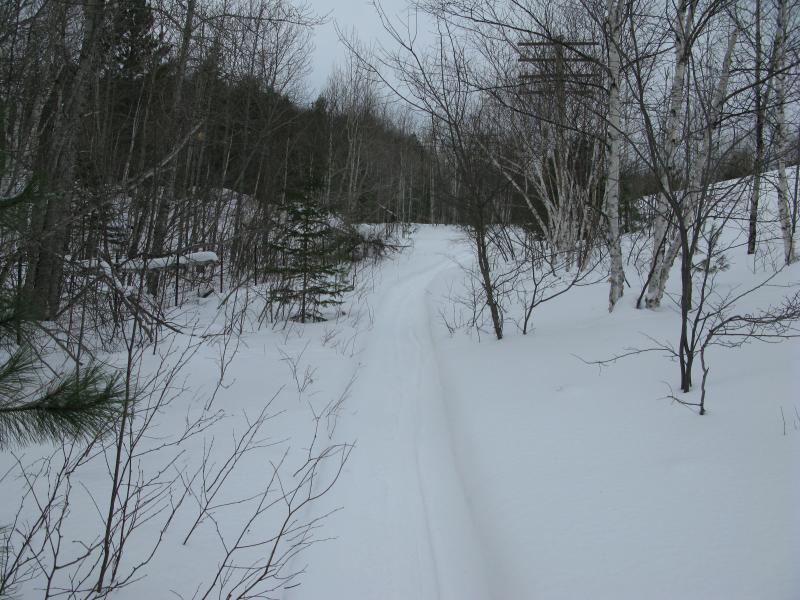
x,y
311,260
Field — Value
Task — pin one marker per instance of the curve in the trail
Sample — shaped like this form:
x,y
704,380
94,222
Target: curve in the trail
x,y
406,530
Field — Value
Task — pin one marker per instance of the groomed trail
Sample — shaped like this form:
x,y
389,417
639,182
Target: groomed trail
x,y
410,531
515,470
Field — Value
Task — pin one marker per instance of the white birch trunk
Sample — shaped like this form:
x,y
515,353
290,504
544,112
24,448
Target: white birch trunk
x,y
683,19
715,115
781,138
700,164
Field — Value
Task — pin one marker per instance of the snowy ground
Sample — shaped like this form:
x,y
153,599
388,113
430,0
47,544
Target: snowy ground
x,y
511,470
514,470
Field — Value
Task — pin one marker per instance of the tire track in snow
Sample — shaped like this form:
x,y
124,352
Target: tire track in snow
x,y
454,537
454,551
405,532
420,482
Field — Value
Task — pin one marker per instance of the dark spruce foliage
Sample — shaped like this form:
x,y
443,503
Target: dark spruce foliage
x,y
311,267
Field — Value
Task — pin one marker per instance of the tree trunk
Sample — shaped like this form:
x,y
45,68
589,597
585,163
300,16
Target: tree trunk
x,y
683,42
759,159
486,280
50,226
781,137
685,349
617,274
160,226
698,171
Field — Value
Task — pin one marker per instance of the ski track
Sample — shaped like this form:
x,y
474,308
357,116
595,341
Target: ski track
x,y
405,530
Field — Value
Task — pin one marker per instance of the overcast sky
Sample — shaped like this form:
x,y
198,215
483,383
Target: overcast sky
x,y
348,14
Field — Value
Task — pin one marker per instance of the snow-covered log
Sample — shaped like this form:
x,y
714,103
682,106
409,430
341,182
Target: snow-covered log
x,y
193,259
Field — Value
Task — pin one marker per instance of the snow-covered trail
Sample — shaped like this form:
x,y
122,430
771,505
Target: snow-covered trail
x,y
406,530
513,470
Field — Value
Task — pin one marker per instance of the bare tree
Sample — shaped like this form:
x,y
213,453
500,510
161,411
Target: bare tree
x,y
438,84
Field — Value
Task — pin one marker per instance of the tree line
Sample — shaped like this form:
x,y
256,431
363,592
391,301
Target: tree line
x,y
559,128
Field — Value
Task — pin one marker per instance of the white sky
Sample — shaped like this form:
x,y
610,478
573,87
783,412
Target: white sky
x,y
348,14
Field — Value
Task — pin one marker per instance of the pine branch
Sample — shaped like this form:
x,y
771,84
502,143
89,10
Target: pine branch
x,y
79,405
16,375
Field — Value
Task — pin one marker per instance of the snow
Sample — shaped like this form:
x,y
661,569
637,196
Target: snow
x,y
410,531
204,257
166,262
597,485
539,476
499,470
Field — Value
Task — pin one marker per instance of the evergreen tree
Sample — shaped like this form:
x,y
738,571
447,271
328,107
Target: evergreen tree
x,y
132,47
310,260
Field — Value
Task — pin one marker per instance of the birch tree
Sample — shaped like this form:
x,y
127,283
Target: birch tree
x,y
683,31
613,28
781,135
693,210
